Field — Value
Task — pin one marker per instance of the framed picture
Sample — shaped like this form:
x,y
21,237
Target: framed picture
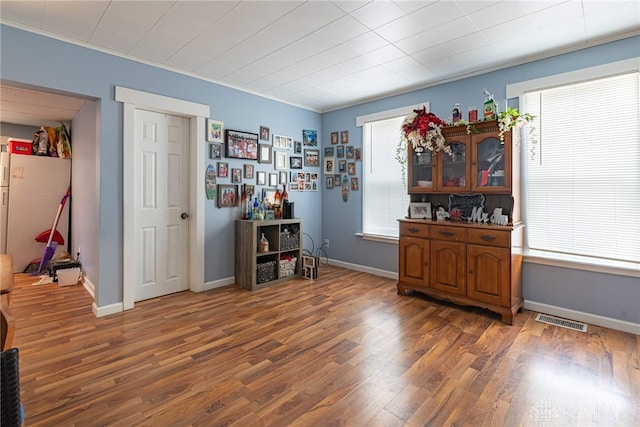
x,y
358,153
334,137
344,136
342,166
264,152
227,195
329,165
329,152
297,147
236,175
248,171
269,195
355,185
264,133
242,145
273,180
215,130
351,168
284,142
250,189
349,152
311,157
280,160
223,169
261,178
295,162
215,151
420,210
310,138
269,214
210,182
282,178
340,151
329,180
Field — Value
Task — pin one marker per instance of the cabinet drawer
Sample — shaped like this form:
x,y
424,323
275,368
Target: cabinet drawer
x,y
414,230
449,234
489,237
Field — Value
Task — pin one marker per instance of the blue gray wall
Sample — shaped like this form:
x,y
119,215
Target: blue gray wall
x,y
606,295
92,74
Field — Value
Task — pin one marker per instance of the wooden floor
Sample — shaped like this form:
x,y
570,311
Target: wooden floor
x,y
343,350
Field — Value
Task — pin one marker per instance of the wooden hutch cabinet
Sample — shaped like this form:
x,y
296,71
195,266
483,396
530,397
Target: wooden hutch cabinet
x,y
473,264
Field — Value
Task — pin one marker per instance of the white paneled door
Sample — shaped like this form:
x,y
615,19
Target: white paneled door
x,y
161,197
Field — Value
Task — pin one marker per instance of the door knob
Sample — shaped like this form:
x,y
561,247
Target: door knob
x,y
184,215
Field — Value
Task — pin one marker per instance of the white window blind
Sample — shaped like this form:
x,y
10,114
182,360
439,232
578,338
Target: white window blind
x,y
384,198
583,185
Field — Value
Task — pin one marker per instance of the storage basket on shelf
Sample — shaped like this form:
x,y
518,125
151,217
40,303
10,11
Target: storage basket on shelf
x,y
289,241
266,272
288,267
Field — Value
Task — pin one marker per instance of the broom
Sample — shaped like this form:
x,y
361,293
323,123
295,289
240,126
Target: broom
x,y
50,249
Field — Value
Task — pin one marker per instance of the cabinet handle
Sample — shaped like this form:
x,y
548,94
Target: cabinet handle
x,y
447,233
487,238
413,230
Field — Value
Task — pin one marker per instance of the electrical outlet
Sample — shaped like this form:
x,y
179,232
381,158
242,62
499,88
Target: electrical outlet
x,y
326,242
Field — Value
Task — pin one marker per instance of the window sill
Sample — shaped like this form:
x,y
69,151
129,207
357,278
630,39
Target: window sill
x,y
576,262
378,238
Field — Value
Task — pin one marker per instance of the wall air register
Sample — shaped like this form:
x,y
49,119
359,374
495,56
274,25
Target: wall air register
x,y
564,323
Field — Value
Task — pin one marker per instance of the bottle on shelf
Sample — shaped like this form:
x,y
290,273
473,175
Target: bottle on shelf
x,y
256,208
284,196
490,108
276,204
456,114
243,202
264,244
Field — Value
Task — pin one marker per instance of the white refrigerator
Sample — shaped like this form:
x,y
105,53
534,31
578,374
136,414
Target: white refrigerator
x,y
32,188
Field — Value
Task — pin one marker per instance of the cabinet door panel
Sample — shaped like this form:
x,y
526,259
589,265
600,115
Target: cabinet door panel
x,y
491,166
414,261
488,274
448,267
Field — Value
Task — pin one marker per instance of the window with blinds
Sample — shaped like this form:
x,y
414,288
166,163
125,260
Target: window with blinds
x,y
384,196
583,184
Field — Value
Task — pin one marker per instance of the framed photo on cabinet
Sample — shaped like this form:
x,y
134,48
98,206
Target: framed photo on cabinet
x,y
420,210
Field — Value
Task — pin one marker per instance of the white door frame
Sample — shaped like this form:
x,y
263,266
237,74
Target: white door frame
x,y
197,113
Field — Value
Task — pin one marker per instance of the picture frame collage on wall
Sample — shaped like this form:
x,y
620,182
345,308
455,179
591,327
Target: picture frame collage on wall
x,y
226,146
341,159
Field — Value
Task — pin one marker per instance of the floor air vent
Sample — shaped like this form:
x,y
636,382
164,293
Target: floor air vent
x,y
564,323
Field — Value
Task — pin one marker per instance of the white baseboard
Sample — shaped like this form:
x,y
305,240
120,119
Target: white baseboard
x,y
107,310
219,283
580,316
364,269
88,285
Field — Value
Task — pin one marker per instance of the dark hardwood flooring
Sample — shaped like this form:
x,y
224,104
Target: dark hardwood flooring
x,y
343,350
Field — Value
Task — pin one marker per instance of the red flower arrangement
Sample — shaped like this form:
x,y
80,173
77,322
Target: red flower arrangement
x,y
424,131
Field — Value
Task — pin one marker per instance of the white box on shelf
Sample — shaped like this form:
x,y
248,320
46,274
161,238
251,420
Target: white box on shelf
x,y
68,276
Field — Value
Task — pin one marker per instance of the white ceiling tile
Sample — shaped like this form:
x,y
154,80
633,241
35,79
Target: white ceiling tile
x,y
28,13
157,46
192,57
417,43
349,5
470,6
455,29
72,19
466,43
193,17
515,27
401,28
431,55
438,13
556,14
409,6
105,36
496,14
626,16
377,13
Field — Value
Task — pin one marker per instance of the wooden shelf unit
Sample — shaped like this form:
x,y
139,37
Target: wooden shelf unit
x,y
285,239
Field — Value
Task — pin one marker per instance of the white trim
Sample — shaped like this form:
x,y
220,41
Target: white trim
x,y
88,285
576,262
378,238
198,113
107,310
219,283
363,268
382,115
620,67
594,319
